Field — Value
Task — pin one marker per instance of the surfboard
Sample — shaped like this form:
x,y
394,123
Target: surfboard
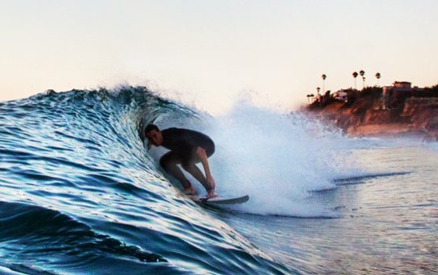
x,y
221,200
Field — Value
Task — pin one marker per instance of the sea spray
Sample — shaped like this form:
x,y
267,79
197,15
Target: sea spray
x,y
272,157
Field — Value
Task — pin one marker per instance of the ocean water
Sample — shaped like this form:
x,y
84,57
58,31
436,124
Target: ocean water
x,y
79,194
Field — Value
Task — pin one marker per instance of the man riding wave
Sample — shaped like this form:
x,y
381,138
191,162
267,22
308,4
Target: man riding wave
x,y
187,147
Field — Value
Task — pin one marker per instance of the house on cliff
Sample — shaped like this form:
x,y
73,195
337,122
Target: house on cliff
x,y
394,96
340,95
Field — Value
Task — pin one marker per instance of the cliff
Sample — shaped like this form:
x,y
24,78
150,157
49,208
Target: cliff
x,y
372,113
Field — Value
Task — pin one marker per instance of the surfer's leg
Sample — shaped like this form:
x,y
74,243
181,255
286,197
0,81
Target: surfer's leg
x,y
194,170
169,163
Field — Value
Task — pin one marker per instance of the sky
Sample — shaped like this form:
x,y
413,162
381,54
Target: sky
x,y
211,53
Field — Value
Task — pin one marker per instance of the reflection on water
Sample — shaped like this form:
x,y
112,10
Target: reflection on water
x,y
387,224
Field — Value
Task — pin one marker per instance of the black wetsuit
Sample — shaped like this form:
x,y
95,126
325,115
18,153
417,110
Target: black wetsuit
x,y
183,144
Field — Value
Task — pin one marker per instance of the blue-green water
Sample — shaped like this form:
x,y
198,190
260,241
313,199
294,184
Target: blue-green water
x,y
79,194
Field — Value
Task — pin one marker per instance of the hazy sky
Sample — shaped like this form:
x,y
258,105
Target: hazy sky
x,y
209,52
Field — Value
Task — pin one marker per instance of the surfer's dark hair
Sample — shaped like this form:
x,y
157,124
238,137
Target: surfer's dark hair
x,y
150,127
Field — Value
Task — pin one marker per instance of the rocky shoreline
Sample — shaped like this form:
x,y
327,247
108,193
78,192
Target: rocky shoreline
x,y
366,114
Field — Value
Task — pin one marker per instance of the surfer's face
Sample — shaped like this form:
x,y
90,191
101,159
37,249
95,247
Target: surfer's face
x,y
155,137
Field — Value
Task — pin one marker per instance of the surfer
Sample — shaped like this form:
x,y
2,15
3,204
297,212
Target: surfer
x,y
187,147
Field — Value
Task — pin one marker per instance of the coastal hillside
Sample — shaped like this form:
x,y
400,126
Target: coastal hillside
x,y
396,109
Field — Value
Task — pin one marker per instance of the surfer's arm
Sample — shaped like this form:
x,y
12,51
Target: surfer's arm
x,y
200,152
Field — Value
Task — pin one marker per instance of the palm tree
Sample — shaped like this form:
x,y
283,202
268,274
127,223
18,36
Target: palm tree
x,y
318,95
355,74
362,74
378,77
323,82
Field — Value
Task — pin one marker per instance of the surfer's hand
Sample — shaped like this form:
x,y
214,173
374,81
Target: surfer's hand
x,y
211,183
212,186
211,194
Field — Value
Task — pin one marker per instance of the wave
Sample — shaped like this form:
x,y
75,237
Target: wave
x,y
80,195
359,179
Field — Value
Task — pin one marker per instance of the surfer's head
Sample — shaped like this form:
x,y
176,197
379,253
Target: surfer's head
x,y
153,134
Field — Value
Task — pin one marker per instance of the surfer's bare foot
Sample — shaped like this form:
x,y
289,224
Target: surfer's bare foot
x,y
189,191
